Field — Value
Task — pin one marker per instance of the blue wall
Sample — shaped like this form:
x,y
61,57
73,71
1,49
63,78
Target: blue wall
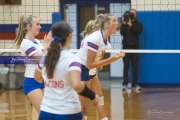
x,y
161,32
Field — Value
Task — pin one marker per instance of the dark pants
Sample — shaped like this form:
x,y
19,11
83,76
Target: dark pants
x,y
133,59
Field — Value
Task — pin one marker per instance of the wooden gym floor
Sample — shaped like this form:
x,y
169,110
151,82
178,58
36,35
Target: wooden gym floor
x,y
148,104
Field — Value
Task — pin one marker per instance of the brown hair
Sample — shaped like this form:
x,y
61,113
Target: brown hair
x,y
60,31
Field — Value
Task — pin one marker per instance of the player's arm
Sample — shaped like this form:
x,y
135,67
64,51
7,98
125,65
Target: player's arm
x,y
93,46
38,72
91,63
38,76
31,52
81,88
91,60
74,74
75,77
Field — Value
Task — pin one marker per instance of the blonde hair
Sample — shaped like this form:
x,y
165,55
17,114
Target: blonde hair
x,y
90,26
24,20
102,18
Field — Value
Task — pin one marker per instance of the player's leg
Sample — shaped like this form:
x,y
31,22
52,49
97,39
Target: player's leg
x,y
84,101
96,87
35,98
34,92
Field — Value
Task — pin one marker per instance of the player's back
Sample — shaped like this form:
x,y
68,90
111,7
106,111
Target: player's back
x,y
59,96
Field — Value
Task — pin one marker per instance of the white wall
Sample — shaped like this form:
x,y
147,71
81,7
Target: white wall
x,y
9,14
155,5
116,68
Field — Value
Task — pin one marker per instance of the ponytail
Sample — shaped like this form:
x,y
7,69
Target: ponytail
x,y
90,27
52,56
60,31
101,19
83,34
24,20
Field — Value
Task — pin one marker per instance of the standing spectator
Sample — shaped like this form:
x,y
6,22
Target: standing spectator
x,y
130,30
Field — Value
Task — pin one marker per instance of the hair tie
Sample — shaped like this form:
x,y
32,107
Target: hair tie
x,y
56,38
25,15
101,15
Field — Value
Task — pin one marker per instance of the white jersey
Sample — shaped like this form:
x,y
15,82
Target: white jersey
x,y
93,71
59,96
94,42
28,48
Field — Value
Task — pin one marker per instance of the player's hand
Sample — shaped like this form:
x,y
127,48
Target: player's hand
x,y
118,55
99,68
122,54
96,100
48,38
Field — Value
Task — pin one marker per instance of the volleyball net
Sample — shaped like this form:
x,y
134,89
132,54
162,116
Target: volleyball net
x,y
158,17
160,20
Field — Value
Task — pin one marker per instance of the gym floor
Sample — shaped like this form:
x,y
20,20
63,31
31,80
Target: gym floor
x,y
147,104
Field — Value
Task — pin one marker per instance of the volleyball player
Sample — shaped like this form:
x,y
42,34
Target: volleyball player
x,y
93,48
61,75
28,29
94,84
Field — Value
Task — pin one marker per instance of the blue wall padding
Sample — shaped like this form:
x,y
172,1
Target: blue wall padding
x,y
56,16
161,32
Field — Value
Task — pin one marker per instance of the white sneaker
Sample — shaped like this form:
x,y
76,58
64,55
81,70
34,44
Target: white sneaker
x,y
124,87
137,88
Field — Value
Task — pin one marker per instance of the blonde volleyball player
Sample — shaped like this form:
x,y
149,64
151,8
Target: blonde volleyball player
x,y
91,27
28,28
93,48
61,72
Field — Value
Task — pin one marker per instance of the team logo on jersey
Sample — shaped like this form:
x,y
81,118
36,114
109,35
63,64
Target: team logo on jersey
x,y
54,84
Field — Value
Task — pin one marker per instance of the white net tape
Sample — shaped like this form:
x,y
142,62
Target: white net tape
x,y
111,51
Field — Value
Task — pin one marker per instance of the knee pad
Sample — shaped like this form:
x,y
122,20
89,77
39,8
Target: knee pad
x,y
101,101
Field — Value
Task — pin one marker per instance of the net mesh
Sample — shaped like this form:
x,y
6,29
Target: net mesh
x,y
160,19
